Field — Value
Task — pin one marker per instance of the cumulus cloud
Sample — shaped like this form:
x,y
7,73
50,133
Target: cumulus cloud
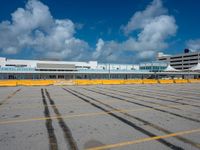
x,y
154,25
193,44
34,27
99,46
141,18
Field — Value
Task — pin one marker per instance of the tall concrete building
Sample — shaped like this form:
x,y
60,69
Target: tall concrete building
x,y
182,61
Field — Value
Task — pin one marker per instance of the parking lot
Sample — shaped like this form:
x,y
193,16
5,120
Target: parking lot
x,y
124,117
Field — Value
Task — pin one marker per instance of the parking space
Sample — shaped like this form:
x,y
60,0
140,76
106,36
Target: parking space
x,y
96,117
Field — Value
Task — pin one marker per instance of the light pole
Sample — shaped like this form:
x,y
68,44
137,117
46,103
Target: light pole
x,y
109,71
109,66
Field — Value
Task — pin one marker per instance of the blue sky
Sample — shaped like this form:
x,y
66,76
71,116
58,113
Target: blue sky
x,y
128,31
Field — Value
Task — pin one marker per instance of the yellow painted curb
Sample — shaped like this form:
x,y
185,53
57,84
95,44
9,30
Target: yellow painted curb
x,y
94,82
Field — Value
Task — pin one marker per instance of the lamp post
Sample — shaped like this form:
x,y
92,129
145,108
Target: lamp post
x,y
109,66
109,71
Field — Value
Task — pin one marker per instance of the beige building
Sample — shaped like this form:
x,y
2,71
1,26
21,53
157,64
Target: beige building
x,y
183,61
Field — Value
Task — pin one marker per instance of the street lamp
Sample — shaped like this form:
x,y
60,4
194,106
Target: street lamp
x,y
109,71
109,66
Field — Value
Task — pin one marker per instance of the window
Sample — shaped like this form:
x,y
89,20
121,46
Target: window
x,y
60,76
176,57
191,55
176,61
162,59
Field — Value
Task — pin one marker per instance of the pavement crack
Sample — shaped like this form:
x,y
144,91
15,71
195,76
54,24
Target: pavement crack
x,y
9,96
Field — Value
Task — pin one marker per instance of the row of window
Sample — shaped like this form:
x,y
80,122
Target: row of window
x,y
176,57
186,56
77,76
192,59
153,67
176,64
162,59
180,62
56,70
173,61
184,64
52,70
16,69
191,55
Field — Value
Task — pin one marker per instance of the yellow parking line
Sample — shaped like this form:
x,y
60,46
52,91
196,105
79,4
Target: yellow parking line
x,y
68,116
36,96
79,115
144,140
33,105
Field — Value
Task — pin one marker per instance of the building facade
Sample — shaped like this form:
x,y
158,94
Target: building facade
x,y
153,66
37,69
183,61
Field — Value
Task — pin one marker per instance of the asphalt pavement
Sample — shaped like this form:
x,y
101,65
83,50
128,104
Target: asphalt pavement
x,y
97,117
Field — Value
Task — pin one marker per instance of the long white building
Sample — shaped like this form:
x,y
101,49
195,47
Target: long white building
x,y
37,69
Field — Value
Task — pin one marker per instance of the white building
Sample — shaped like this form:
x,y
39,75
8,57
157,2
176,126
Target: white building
x,y
15,68
37,69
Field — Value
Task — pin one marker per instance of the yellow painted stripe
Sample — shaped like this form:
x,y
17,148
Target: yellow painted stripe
x,y
145,140
79,115
33,105
36,96
69,116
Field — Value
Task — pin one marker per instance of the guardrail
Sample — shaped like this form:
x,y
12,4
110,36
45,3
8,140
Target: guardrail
x,y
94,82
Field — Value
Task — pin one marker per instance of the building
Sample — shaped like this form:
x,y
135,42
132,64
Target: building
x,y
37,69
183,61
153,66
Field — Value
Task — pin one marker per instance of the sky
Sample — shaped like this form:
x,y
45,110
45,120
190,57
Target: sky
x,y
123,31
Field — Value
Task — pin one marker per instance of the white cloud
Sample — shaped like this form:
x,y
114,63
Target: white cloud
x,y
141,18
193,44
145,55
34,27
35,15
10,50
155,33
99,46
155,27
